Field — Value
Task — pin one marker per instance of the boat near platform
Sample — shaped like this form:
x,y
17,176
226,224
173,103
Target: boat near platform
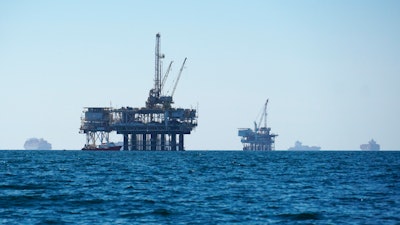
x,y
103,147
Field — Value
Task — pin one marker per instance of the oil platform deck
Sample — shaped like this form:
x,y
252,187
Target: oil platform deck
x,y
157,126
259,139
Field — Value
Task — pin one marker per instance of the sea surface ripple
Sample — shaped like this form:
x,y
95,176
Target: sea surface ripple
x,y
199,187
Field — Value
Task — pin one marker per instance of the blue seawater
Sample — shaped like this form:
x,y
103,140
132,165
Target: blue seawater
x,y
199,187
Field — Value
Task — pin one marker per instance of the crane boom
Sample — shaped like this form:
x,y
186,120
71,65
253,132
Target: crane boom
x,y
177,79
265,113
263,116
166,75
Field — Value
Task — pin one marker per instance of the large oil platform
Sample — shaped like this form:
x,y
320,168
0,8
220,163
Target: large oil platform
x,y
259,139
157,126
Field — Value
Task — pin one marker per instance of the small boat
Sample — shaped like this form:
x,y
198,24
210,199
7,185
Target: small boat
x,y
103,147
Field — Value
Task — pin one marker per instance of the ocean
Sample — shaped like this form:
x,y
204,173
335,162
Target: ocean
x,y
199,187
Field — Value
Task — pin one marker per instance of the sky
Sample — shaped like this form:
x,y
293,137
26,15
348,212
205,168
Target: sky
x,y
331,69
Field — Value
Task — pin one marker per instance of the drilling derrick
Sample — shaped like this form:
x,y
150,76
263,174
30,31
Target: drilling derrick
x,y
155,93
259,139
158,125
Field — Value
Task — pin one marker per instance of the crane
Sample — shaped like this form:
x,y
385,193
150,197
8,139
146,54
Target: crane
x,y
177,79
166,75
263,117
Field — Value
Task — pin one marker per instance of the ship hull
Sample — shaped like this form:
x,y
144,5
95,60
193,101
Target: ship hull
x,y
113,148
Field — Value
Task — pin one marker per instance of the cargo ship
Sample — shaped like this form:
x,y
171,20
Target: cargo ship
x,y
103,147
371,146
298,146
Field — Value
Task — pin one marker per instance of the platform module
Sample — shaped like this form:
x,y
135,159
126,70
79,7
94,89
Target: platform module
x,y
156,126
259,139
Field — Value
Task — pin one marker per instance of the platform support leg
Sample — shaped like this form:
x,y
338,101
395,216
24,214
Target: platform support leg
x,y
126,142
181,142
173,142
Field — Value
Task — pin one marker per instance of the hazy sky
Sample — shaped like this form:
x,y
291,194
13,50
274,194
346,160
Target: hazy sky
x,y
331,69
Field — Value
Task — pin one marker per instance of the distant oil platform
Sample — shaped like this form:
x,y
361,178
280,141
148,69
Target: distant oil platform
x,y
371,146
157,126
259,139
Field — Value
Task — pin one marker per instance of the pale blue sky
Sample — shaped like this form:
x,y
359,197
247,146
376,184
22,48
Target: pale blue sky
x,y
331,69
